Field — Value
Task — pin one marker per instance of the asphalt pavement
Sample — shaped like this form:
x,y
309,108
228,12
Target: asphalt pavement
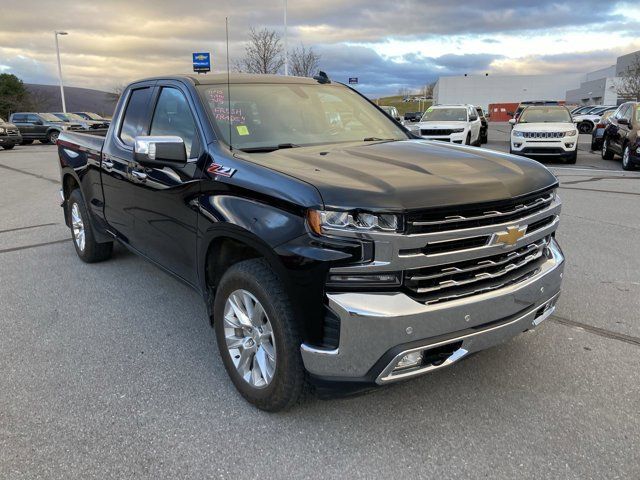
x,y
111,370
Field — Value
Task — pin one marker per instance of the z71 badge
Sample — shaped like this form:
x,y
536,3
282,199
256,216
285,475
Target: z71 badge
x,y
217,169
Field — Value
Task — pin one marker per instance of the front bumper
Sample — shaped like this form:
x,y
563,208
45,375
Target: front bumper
x,y
376,329
10,140
537,148
452,138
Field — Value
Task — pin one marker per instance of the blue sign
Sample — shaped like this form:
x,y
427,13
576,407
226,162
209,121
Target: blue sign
x,y
353,80
201,62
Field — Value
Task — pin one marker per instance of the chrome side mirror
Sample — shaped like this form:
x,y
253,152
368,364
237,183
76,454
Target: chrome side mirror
x,y
160,151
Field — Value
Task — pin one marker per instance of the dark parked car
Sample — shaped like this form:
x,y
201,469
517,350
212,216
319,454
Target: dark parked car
x,y
621,135
9,135
86,124
329,244
413,116
44,127
598,132
92,116
484,128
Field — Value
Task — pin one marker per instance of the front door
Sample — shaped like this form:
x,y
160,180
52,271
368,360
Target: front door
x,y
166,198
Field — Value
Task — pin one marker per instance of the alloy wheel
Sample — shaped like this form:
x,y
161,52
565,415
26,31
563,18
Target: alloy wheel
x,y
625,157
249,338
77,226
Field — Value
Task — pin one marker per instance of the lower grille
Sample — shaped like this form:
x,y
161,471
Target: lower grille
x,y
426,131
13,133
542,150
444,282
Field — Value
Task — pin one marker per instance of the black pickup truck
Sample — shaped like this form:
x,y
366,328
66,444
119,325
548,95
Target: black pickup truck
x,y
332,248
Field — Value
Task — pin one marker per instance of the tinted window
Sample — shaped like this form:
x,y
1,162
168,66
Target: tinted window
x,y
173,117
620,112
19,117
445,115
32,118
545,115
134,115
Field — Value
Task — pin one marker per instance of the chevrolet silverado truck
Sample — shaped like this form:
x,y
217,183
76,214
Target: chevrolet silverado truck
x,y
332,247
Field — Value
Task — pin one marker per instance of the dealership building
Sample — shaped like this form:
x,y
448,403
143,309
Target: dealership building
x,y
598,87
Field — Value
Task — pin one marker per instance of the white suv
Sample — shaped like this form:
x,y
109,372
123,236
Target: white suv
x,y
450,123
545,131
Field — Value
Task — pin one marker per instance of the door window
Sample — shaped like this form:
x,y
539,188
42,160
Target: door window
x,y
173,116
32,118
134,115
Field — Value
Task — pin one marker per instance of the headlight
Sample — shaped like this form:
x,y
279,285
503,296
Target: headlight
x,y
413,128
570,133
517,133
1,130
321,220
457,130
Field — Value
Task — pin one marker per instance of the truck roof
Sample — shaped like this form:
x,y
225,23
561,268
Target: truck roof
x,y
235,78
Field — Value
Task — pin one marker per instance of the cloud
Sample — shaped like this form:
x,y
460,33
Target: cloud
x,y
388,45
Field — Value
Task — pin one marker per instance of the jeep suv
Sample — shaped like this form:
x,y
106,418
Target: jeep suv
x,y
44,127
9,135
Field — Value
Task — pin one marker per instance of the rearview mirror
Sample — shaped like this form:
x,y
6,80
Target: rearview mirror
x,y
159,151
512,121
623,121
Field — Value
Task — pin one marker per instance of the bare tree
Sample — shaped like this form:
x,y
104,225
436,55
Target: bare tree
x,y
404,92
629,87
304,62
263,53
427,90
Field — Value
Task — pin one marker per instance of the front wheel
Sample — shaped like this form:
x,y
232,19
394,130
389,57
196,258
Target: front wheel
x,y
607,153
257,336
8,147
87,248
468,140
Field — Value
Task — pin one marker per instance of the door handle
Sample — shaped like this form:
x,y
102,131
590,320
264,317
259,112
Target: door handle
x,y
106,163
139,175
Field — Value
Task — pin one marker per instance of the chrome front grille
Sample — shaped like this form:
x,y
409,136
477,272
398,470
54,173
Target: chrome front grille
x,y
453,252
13,132
433,283
455,218
543,134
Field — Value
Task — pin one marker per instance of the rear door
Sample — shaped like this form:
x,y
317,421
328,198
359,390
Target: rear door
x,y
619,132
118,184
166,221
20,121
37,126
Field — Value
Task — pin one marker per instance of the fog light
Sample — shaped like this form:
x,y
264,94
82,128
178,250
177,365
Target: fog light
x,y
517,145
569,145
412,359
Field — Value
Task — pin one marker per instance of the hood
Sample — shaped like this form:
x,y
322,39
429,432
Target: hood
x,y
544,127
407,175
7,125
442,125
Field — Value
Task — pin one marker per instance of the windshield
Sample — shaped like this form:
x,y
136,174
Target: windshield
x,y
62,116
545,115
93,116
445,115
75,117
268,115
49,117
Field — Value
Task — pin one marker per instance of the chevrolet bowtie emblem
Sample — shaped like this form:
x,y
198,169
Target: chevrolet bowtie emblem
x,y
510,237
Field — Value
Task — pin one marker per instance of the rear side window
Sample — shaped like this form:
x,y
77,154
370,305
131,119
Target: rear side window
x,y
32,118
135,115
19,118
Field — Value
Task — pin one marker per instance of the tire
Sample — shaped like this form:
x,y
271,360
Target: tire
x,y
594,146
573,158
87,248
607,153
585,127
253,282
52,136
468,140
8,147
26,142
484,140
626,159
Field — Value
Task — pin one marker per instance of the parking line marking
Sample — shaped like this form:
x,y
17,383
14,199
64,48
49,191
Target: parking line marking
x,y
27,228
598,190
13,249
597,330
17,170
591,170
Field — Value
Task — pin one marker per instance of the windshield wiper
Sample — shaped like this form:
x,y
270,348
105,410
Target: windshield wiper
x,y
376,139
271,148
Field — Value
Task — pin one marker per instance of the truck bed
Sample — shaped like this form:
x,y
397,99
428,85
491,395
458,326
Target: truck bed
x,y
81,143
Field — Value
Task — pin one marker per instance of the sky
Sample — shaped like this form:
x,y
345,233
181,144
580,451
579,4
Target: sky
x,y
388,45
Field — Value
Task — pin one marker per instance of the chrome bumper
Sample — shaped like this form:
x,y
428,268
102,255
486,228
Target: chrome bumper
x,y
373,324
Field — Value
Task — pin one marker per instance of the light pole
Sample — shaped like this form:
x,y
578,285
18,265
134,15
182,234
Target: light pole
x,y
286,52
64,105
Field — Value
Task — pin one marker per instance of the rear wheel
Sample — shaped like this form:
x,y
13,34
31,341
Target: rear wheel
x,y
585,127
257,336
8,147
607,153
52,136
626,159
87,248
